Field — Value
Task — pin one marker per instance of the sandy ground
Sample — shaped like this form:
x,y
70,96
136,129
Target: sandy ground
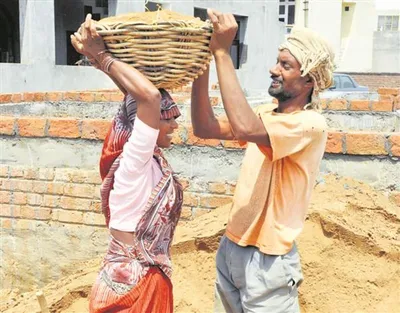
x,y
350,251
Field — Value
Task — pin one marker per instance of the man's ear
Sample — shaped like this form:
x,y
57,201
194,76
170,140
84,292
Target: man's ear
x,y
309,81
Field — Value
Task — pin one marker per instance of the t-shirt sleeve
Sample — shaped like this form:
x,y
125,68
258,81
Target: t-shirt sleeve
x,y
139,149
289,134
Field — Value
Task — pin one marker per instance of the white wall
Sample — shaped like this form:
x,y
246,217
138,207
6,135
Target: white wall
x,y
357,46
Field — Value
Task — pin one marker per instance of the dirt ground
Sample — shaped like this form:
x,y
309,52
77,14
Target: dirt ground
x,y
350,250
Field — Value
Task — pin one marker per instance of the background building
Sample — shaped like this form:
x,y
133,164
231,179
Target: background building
x,y
36,54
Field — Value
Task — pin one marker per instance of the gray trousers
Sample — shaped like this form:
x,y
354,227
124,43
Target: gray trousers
x,y
249,281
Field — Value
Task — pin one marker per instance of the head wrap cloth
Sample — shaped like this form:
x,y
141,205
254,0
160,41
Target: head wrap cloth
x,y
315,56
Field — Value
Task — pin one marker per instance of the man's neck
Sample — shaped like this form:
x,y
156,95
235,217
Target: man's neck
x,y
291,105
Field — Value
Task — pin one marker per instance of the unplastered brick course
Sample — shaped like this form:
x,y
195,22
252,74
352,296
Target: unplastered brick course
x,y
350,142
387,100
71,196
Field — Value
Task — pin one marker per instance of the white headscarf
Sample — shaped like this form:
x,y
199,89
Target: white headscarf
x,y
315,56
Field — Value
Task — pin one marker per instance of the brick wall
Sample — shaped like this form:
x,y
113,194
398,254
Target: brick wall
x,y
376,80
72,196
51,217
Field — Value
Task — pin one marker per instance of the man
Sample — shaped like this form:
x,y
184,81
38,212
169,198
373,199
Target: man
x,y
258,266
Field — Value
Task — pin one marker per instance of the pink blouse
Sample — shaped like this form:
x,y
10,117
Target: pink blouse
x,y
135,178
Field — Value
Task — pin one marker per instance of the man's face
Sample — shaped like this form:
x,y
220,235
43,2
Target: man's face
x,y
287,82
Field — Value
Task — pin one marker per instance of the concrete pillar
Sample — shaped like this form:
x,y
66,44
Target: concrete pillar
x,y
116,7
37,37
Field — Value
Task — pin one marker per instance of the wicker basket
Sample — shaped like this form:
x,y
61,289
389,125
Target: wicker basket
x,y
170,49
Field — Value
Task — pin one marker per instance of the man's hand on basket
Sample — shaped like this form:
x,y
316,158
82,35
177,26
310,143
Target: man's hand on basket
x,y
92,42
225,28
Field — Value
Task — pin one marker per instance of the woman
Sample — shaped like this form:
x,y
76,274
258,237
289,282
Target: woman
x,y
141,197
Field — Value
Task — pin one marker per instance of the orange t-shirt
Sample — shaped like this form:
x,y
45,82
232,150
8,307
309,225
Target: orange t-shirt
x,y
275,184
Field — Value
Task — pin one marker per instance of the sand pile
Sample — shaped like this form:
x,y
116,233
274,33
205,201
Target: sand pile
x,y
350,251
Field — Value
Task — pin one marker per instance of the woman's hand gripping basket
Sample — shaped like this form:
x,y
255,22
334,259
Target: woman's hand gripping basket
x,y
170,49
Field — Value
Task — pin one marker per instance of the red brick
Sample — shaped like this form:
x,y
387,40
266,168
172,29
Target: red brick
x,y
102,97
39,187
387,97
6,210
4,171
7,125
96,194
234,144
31,127
211,201
34,199
65,128
43,213
382,105
39,96
28,96
19,198
5,196
95,129
54,188
75,203
337,104
16,98
71,96
389,91
77,176
116,97
79,190
30,173
5,184
360,143
6,223
51,201
21,185
217,187
91,218
86,97
95,206
16,171
54,96
190,199
68,216
45,174
5,97
395,144
359,105
335,142
28,212
196,141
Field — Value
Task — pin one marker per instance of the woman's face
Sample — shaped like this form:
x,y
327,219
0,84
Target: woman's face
x,y
165,135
